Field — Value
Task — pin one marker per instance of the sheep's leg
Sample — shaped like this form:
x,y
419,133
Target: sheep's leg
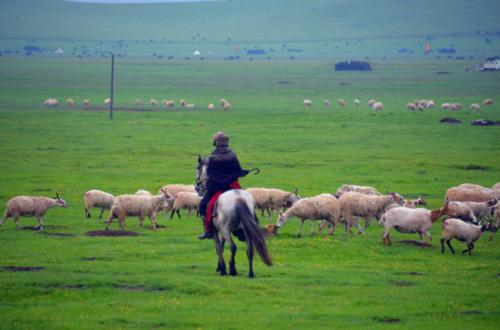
x,y
121,221
40,223
360,229
190,211
331,228
470,246
87,213
232,264
311,228
4,219
100,214
16,221
448,242
367,221
141,221
110,220
442,245
152,217
428,234
300,227
270,211
386,239
172,213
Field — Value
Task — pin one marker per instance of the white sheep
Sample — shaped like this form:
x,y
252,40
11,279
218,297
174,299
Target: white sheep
x,y
189,106
139,206
173,189
223,101
355,205
430,104
487,102
356,102
408,220
446,106
460,210
456,106
377,106
326,103
341,103
272,199
475,107
51,102
361,189
481,210
185,200
70,103
472,193
97,198
86,103
371,102
153,102
463,231
411,106
30,206
308,103
138,103
107,101
211,106
168,103
321,207
227,106
182,102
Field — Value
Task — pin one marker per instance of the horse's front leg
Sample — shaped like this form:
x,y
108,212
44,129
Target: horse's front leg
x,y
232,264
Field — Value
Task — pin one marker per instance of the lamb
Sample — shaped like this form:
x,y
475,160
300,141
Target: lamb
x,y
168,103
326,103
472,193
97,198
321,207
137,205
308,103
153,102
408,220
30,206
272,199
355,205
487,102
341,103
185,200
377,106
107,101
475,107
86,103
70,103
412,203
356,103
463,231
361,189
211,106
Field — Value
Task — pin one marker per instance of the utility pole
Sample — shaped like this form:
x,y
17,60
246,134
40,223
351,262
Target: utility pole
x,y
112,86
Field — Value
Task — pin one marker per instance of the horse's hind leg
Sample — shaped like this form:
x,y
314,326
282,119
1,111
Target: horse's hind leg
x,y
232,264
250,258
219,248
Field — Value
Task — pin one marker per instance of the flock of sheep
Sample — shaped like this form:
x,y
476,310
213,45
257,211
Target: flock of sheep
x,y
416,105
468,209
52,102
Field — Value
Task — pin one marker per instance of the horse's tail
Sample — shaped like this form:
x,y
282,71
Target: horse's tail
x,y
253,233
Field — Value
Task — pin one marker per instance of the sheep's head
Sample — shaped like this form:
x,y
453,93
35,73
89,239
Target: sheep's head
x,y
397,198
281,220
60,202
489,227
421,201
166,197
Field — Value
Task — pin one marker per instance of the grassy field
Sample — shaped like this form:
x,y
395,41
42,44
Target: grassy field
x,y
166,278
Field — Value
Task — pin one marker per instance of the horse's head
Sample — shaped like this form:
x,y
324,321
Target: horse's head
x,y
201,175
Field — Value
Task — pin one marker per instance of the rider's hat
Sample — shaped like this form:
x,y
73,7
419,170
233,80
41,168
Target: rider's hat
x,y
220,139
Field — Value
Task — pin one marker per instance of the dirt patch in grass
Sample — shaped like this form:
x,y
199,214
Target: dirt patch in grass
x,y
135,288
66,286
402,283
415,243
443,72
470,167
385,319
57,234
470,312
44,227
22,268
90,258
111,233
450,120
284,82
410,273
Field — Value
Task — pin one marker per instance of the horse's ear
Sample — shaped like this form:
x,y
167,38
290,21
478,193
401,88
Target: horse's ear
x,y
199,159
296,192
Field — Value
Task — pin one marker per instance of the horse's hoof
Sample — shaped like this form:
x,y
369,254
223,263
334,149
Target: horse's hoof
x,y
251,275
233,273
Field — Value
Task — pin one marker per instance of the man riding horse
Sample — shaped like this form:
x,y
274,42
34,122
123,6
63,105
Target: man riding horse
x,y
223,172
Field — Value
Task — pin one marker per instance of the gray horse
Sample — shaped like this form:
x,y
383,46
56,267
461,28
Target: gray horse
x,y
235,215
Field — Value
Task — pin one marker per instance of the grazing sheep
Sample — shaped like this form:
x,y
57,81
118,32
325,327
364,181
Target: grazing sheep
x,y
360,189
356,103
445,106
211,106
182,102
153,102
475,107
70,103
189,106
377,106
341,103
272,199
321,207
371,102
223,101
86,103
355,205
137,205
168,103
456,106
463,231
138,103
173,189
30,206
408,220
472,193
326,103
185,200
227,106
97,198
430,104
107,101
412,203
308,103
51,102
411,106
488,102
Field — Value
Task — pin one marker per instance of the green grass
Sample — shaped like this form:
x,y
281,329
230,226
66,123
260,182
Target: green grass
x,y
167,279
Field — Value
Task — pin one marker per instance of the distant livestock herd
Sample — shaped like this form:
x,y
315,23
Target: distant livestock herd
x,y
469,209
86,103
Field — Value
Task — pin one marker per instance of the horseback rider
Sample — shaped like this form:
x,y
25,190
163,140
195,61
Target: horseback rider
x,y
223,171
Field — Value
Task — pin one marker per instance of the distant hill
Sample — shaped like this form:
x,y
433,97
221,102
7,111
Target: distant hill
x,y
284,29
